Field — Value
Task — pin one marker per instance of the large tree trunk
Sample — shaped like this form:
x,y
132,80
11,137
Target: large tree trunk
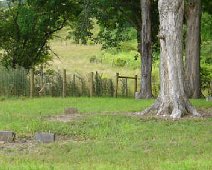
x,y
146,50
172,99
192,60
146,70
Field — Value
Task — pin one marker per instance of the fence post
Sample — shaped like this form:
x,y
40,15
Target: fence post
x,y
117,82
64,83
136,83
126,87
91,84
74,84
31,83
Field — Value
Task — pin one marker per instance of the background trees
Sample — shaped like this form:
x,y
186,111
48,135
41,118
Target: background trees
x,y
114,18
26,27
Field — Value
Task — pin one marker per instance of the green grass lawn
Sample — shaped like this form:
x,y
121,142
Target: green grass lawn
x,y
100,140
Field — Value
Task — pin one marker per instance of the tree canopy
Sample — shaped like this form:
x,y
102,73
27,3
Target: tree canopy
x,y
115,18
26,27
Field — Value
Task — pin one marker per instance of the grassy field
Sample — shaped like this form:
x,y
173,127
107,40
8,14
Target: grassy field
x,y
76,58
103,137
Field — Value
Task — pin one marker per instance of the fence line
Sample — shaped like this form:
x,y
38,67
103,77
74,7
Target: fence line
x,y
34,83
126,78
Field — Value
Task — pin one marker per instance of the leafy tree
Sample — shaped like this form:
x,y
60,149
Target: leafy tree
x,y
172,100
115,17
206,25
26,26
206,6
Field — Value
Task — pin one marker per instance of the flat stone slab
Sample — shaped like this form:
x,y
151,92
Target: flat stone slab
x,y
70,110
45,137
7,136
64,118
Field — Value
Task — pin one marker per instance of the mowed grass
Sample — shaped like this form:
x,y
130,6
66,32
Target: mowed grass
x,y
102,140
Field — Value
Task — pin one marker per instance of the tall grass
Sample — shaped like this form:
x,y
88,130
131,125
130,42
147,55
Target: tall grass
x,y
14,82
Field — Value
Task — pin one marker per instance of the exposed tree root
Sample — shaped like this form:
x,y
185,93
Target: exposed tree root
x,y
174,110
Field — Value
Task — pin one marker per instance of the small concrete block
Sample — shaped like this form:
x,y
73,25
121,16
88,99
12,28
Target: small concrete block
x,y
7,136
45,137
70,111
2,142
209,98
137,95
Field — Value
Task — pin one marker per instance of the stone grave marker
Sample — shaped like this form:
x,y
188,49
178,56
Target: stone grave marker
x,y
45,137
7,136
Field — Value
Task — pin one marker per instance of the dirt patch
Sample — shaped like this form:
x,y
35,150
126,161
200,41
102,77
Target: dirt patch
x,y
69,114
20,145
205,112
64,117
30,145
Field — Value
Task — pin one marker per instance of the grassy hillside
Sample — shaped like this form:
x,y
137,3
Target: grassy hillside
x,y
76,58
84,59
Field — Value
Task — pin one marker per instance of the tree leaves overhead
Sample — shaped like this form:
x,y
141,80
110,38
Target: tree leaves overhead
x,y
26,26
113,17
207,6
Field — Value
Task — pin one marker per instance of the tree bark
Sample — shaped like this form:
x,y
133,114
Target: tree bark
x,y
192,60
146,70
146,50
172,100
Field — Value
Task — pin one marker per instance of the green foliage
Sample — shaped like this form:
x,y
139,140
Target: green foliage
x,y
206,78
206,25
206,6
206,67
26,27
120,62
112,38
115,18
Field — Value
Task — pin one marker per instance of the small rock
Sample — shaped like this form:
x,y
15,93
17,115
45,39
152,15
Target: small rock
x,y
209,98
70,111
7,136
45,137
2,142
137,95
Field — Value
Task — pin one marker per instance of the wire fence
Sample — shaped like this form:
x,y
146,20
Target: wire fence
x,y
59,83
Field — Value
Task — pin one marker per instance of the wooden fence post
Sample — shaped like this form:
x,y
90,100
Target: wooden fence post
x,y
136,83
126,87
74,84
117,84
91,84
31,83
64,83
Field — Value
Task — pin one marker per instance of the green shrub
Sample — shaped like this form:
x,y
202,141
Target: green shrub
x,y
120,62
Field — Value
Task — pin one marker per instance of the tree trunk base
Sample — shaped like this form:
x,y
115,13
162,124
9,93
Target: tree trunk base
x,y
173,110
144,96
